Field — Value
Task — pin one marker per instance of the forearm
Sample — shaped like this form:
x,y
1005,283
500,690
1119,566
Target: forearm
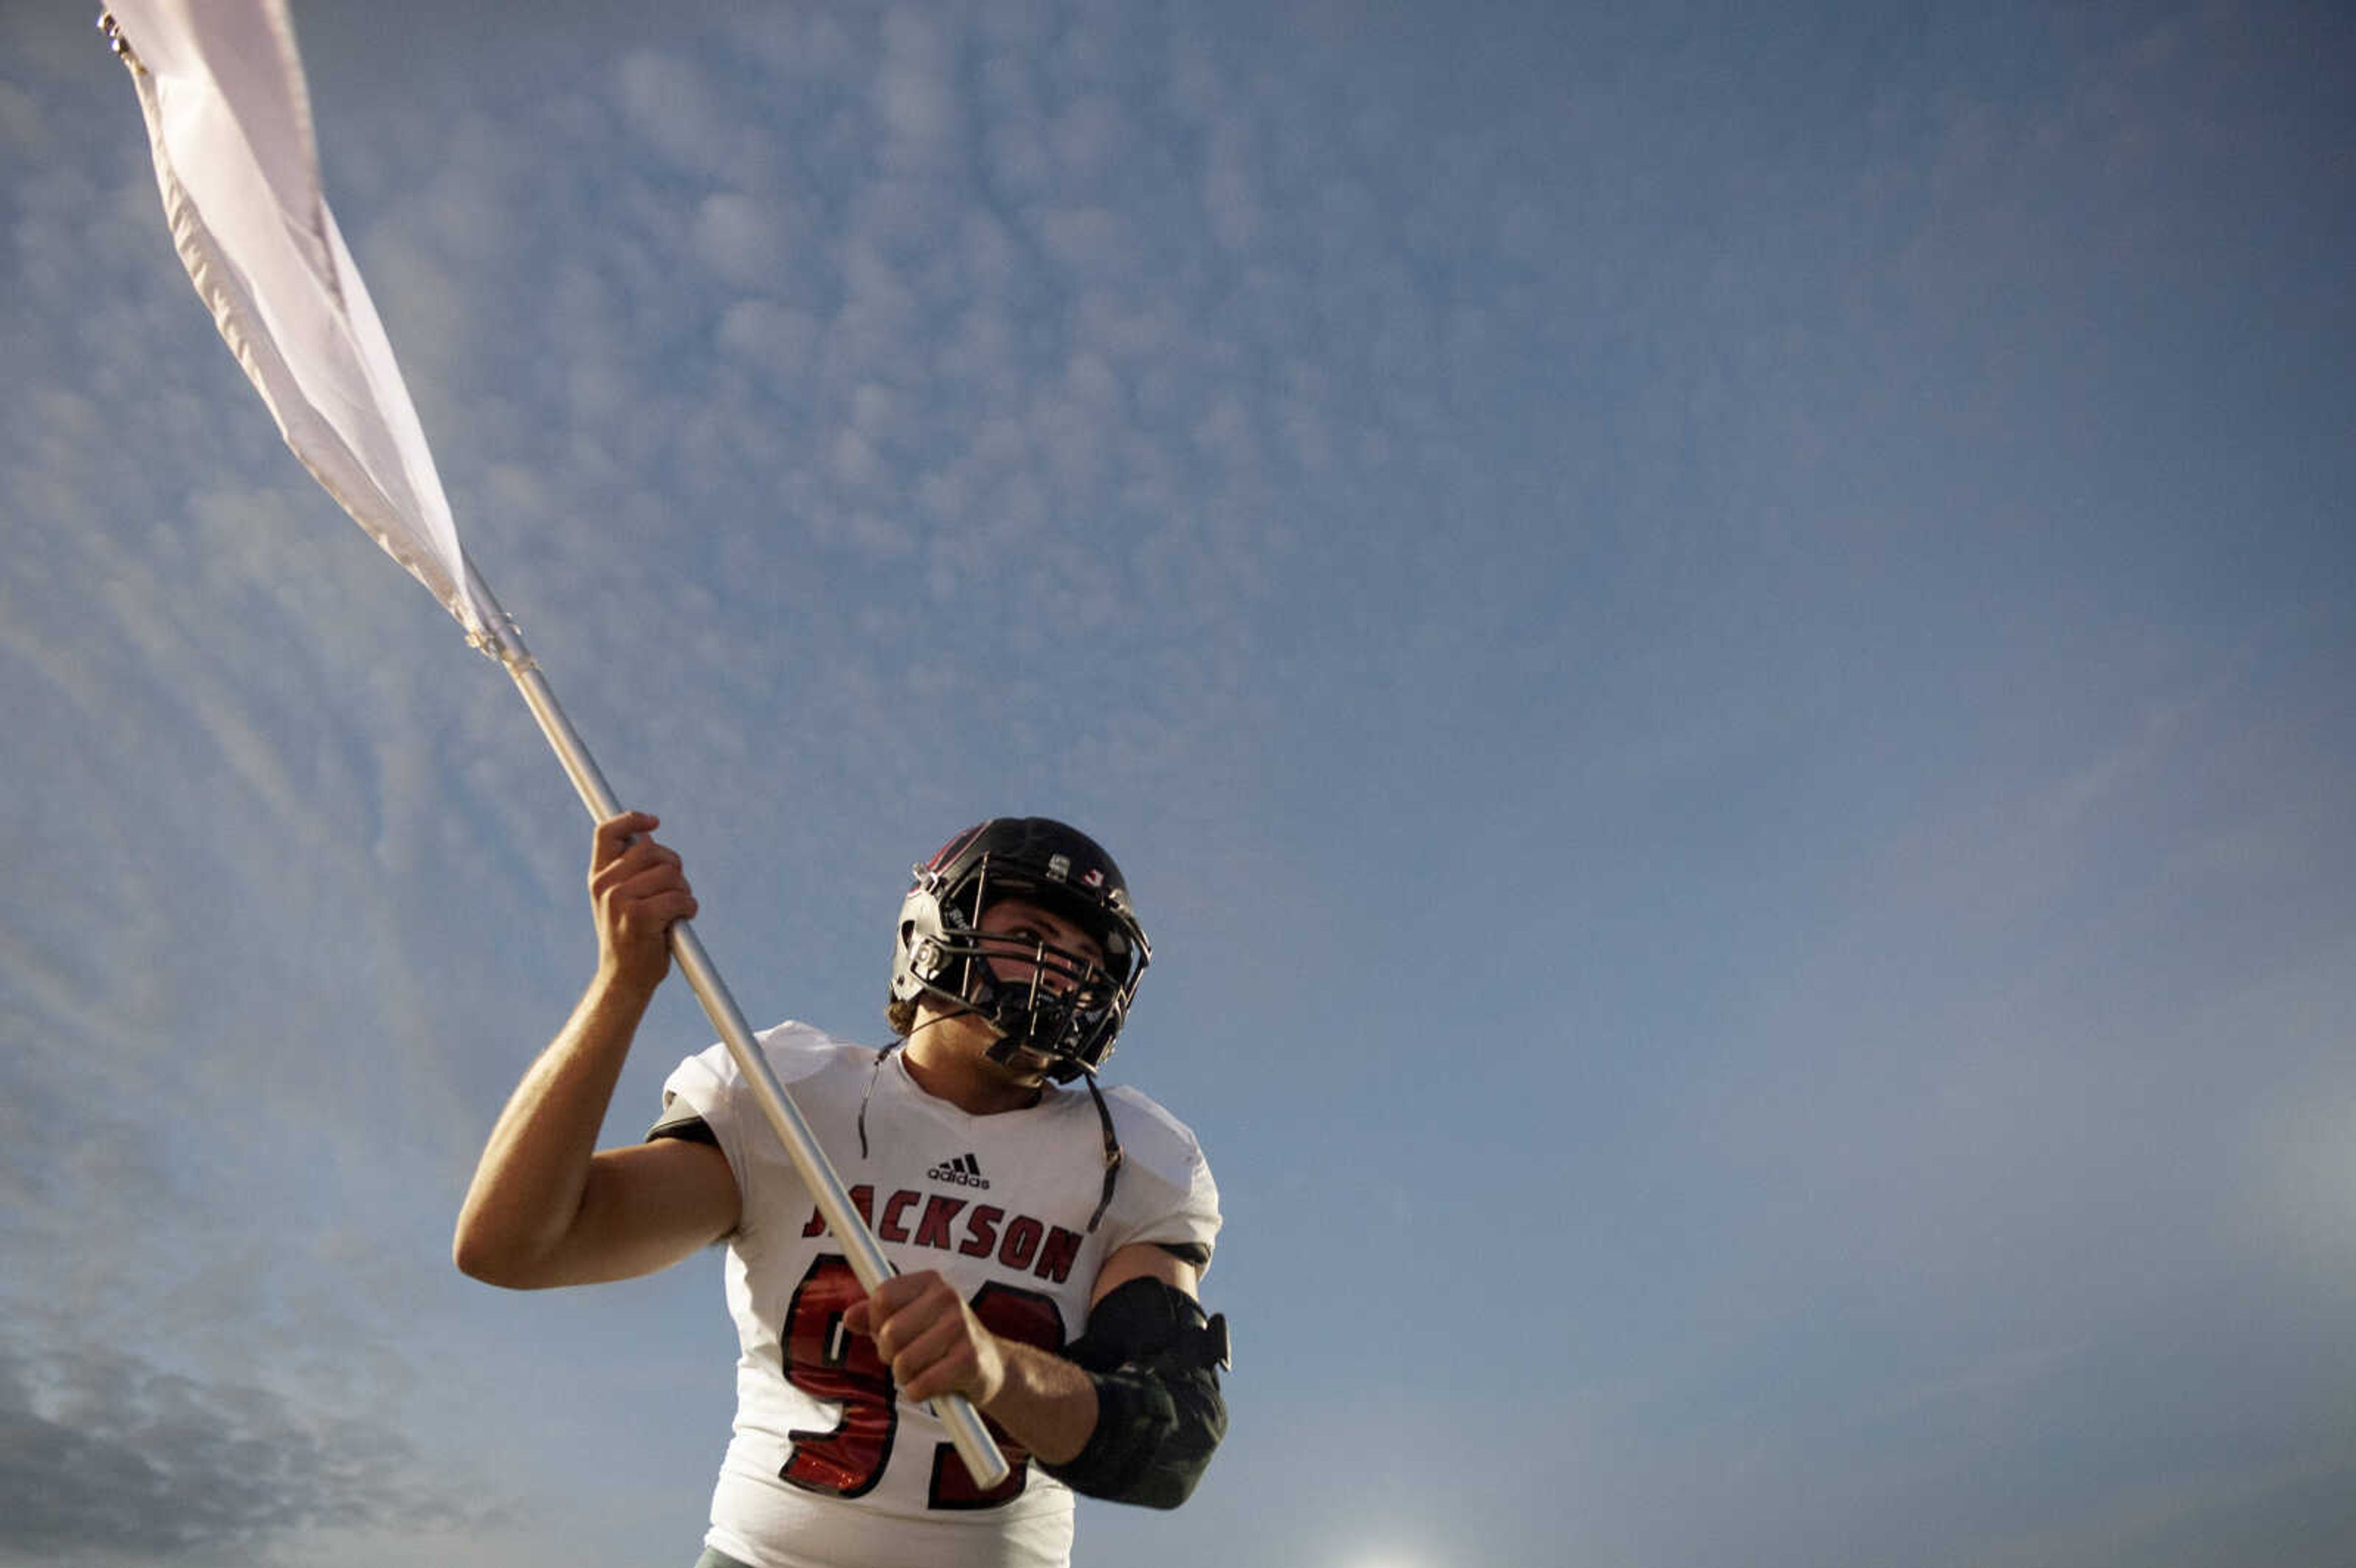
x,y
1130,1412
529,1184
1046,1403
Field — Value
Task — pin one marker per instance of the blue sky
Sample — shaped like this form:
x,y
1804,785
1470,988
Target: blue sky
x,y
1717,644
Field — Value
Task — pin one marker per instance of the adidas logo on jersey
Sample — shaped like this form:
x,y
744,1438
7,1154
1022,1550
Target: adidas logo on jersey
x,y
963,1171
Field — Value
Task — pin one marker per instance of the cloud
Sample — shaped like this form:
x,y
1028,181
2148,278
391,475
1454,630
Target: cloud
x,y
670,103
915,93
1093,241
1228,193
778,339
20,118
106,1458
740,238
1088,135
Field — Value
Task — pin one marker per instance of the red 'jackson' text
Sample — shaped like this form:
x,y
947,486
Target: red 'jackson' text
x,y
955,1224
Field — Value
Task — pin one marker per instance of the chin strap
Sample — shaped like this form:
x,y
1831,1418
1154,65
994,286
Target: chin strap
x,y
1112,1154
870,1094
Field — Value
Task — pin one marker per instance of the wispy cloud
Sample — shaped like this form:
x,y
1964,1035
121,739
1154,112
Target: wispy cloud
x,y
105,1458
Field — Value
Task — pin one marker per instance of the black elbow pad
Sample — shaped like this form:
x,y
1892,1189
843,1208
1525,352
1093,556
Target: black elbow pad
x,y
1154,1359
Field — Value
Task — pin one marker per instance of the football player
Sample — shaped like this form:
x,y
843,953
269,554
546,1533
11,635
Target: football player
x,y
1049,1240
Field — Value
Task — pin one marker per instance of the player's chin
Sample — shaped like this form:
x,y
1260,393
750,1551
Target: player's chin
x,y
1025,1064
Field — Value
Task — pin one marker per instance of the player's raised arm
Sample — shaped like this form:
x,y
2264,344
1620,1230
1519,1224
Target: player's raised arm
x,y
546,1207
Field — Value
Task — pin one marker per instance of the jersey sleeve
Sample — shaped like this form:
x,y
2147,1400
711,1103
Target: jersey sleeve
x,y
702,1101
706,1100
1165,1196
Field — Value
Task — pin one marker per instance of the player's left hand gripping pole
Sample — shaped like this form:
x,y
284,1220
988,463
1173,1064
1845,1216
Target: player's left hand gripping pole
x,y
229,119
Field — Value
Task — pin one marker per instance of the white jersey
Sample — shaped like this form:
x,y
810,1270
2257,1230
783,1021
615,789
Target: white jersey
x,y
828,1468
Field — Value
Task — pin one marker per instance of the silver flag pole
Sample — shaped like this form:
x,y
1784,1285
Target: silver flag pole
x,y
504,644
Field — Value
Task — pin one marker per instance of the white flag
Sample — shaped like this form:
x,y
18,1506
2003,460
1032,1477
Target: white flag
x,y
229,121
